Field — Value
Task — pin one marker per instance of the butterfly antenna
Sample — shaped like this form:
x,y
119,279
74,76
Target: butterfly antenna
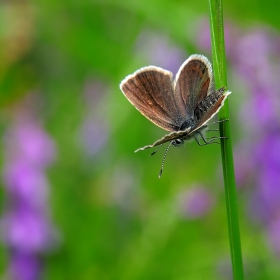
x,y
163,160
156,150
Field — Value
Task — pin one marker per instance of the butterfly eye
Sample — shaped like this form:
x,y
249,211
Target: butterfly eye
x,y
177,142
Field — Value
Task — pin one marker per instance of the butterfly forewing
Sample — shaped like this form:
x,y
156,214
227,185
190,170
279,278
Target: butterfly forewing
x,y
150,90
193,82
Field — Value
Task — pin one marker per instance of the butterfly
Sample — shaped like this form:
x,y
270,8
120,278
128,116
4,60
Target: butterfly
x,y
182,106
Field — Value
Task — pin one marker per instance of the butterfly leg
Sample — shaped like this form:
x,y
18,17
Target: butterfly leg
x,y
197,141
225,120
211,140
204,140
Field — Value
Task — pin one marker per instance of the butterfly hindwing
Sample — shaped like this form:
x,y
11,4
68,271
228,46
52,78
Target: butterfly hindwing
x,y
167,138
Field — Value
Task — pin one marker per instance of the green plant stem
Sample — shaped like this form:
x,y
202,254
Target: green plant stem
x,y
219,63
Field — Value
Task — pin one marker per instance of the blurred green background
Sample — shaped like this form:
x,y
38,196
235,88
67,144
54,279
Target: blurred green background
x,y
61,63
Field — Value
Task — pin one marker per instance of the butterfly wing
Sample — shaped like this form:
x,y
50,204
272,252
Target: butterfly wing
x,y
209,107
194,81
167,138
151,92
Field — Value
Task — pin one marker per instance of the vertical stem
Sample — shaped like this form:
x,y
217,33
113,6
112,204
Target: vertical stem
x,y
219,64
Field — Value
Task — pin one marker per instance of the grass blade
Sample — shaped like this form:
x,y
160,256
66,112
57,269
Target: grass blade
x,y
219,64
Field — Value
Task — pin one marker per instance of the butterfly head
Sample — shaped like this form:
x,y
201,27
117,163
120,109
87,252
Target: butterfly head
x,y
178,142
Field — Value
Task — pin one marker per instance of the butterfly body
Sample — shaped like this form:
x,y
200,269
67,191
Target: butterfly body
x,y
183,106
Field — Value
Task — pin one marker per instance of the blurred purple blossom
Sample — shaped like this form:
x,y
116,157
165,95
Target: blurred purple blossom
x,y
94,91
26,227
243,172
196,202
255,60
93,133
24,266
204,39
273,234
23,181
29,141
159,50
125,187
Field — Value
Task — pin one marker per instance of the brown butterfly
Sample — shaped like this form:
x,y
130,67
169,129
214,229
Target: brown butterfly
x,y
182,106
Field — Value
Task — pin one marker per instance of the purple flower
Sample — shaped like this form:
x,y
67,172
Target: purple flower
x,y
273,234
27,140
93,134
268,149
26,228
24,266
196,202
24,181
158,50
268,182
204,39
255,61
261,115
243,163
258,112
